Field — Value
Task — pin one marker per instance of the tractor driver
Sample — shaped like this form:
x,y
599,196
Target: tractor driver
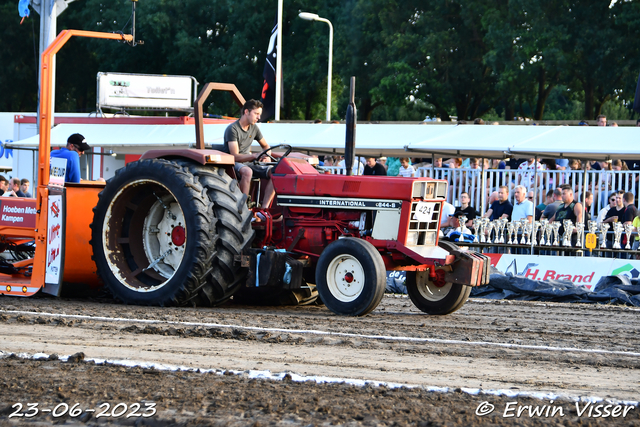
x,y
76,146
237,141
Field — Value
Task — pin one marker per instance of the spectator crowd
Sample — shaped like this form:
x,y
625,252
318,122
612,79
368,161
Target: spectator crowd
x,y
15,187
515,185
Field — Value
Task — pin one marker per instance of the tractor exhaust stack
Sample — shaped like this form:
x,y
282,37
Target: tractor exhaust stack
x,y
350,143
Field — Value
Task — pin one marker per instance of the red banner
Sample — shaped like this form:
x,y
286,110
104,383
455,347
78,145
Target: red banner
x,y
17,212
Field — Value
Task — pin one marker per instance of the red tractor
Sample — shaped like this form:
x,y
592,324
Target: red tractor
x,y
173,228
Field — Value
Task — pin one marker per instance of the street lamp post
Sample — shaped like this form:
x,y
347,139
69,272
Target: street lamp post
x,y
314,17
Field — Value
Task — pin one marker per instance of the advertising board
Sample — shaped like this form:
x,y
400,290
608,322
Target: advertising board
x,y
18,212
582,271
145,91
55,240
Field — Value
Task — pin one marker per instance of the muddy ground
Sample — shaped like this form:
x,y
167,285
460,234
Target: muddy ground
x,y
515,349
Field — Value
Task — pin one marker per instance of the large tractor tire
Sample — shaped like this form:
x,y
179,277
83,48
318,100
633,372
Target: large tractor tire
x,y
351,277
158,238
233,228
435,296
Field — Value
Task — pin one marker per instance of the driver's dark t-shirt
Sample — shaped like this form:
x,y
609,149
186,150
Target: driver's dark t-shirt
x,y
234,132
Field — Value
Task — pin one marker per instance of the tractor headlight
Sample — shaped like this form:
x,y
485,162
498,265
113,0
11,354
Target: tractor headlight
x,y
431,190
418,189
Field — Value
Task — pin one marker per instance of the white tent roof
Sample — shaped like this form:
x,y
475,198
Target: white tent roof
x,y
376,139
583,142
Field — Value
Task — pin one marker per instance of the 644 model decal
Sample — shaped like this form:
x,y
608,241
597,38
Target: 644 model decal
x,y
335,202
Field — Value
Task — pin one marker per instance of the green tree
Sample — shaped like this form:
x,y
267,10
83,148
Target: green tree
x,y
442,57
599,59
18,56
211,41
527,52
434,53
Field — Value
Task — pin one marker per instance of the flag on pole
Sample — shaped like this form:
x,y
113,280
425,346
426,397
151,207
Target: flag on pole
x,y
269,75
23,9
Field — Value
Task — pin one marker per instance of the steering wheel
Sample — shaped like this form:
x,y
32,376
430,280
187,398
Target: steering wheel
x,y
276,161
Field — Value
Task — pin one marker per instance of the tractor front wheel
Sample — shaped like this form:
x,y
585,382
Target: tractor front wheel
x,y
433,295
351,277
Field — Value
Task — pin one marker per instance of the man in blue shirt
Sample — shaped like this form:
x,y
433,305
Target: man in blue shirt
x,y
523,208
76,146
500,208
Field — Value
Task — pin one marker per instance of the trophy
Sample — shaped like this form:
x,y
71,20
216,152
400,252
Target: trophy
x,y
528,230
516,230
628,229
503,224
536,227
462,220
593,227
580,234
617,234
511,228
547,232
523,226
497,228
556,229
543,230
568,231
604,228
488,226
476,229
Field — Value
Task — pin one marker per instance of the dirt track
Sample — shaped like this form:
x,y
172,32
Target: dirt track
x,y
560,349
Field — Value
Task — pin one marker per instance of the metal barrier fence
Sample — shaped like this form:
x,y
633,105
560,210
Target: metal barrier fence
x,y
599,183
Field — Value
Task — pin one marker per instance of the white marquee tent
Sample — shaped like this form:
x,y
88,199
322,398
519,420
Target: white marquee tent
x,y
377,139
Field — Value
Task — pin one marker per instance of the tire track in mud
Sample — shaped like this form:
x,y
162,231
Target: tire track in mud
x,y
611,328
197,328
455,364
452,335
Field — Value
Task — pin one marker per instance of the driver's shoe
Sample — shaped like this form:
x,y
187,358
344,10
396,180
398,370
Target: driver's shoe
x,y
250,203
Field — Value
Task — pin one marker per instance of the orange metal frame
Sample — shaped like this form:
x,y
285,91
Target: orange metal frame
x,y
20,284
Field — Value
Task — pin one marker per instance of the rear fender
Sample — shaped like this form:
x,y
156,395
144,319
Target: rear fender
x,y
203,157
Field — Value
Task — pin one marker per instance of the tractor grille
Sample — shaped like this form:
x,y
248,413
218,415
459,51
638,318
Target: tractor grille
x,y
423,226
425,213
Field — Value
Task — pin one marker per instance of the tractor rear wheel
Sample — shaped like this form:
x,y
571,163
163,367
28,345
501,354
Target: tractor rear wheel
x,y
233,228
157,235
351,277
435,296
